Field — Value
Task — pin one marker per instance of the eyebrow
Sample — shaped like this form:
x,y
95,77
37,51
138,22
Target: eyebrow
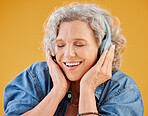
x,y
79,39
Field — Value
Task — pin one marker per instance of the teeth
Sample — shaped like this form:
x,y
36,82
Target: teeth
x,y
73,64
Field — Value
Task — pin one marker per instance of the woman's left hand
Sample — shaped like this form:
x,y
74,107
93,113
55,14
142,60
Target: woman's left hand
x,y
100,72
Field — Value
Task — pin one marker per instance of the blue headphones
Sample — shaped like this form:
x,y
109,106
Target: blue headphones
x,y
106,42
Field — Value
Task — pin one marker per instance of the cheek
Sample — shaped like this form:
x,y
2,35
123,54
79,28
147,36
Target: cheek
x,y
90,53
91,57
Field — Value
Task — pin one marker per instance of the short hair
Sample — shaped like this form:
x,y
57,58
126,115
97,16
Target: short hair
x,y
92,14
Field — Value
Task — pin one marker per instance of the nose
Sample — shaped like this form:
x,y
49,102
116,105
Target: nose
x,y
69,51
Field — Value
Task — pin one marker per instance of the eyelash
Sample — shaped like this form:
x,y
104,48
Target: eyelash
x,y
78,45
60,46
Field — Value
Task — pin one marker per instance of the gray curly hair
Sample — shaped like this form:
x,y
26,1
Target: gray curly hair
x,y
91,14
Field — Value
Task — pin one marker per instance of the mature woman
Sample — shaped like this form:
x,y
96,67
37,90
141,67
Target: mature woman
x,y
81,76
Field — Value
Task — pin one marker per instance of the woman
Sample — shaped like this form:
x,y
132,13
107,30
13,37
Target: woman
x,y
83,51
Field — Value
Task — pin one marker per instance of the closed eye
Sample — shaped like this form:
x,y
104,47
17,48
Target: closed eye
x,y
79,45
60,46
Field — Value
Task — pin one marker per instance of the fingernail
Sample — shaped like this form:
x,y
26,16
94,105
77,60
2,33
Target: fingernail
x,y
113,46
106,51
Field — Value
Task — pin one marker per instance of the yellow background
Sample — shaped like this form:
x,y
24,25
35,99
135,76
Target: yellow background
x,y
21,35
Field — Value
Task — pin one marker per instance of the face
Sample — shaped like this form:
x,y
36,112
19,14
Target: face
x,y
76,49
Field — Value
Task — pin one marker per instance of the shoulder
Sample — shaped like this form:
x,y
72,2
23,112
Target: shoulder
x,y
38,66
120,83
117,84
32,71
39,73
35,70
32,84
36,76
119,94
122,79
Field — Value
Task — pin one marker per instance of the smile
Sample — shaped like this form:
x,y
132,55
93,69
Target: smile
x,y
72,65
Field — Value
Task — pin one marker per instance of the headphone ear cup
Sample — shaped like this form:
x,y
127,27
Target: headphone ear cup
x,y
100,48
106,41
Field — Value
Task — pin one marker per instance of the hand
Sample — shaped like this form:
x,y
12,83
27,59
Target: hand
x,y
58,78
100,72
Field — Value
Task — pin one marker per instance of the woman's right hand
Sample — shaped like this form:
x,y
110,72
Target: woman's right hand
x,y
60,82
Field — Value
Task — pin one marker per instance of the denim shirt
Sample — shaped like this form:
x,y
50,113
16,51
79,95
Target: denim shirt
x,y
119,96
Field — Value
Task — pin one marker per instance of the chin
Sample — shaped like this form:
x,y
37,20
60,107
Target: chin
x,y
74,78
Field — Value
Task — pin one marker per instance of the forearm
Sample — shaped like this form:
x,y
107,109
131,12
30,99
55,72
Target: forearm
x,y
48,105
87,101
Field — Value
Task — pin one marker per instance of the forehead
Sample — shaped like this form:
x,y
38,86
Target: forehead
x,y
75,29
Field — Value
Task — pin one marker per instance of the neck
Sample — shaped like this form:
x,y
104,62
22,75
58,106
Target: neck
x,y
75,87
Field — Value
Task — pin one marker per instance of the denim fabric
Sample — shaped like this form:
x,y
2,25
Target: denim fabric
x,y
119,96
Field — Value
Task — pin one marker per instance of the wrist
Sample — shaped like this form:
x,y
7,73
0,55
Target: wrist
x,y
87,101
86,93
59,91
86,90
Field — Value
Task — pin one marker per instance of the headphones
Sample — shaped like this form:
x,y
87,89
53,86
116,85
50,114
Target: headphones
x,y
106,42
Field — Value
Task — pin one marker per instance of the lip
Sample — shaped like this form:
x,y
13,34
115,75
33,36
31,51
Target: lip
x,y
71,68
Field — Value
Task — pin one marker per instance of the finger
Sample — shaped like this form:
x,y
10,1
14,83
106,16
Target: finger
x,y
101,59
109,69
48,57
109,58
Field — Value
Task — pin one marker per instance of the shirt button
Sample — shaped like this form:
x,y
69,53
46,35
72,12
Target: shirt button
x,y
69,95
